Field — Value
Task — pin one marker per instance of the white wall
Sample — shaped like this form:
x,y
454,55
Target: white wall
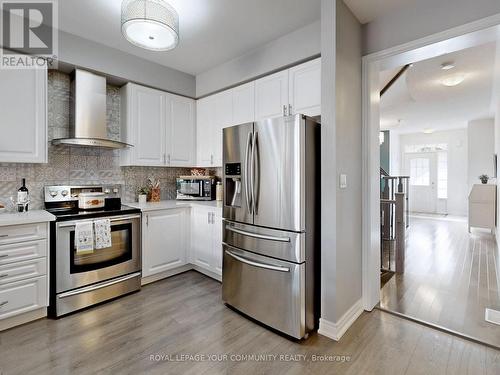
x,y
86,54
422,18
349,161
458,190
289,49
395,154
341,45
481,148
495,106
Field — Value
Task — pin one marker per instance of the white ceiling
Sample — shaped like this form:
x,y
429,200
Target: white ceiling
x,y
211,31
367,10
418,100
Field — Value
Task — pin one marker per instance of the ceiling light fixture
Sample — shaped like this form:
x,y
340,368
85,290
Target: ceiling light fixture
x,y
428,131
447,66
150,24
453,80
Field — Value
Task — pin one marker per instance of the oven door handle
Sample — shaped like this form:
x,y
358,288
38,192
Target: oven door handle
x,y
98,286
118,218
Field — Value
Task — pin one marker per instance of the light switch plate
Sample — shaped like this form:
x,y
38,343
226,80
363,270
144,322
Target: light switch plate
x,y
343,181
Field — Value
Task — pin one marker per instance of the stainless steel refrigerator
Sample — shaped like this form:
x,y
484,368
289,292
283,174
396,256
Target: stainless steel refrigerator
x,y
271,210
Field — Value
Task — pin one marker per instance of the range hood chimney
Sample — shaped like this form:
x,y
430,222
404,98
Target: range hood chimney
x,y
87,118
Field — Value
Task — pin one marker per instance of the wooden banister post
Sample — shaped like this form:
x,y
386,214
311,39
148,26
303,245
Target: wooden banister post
x,y
400,232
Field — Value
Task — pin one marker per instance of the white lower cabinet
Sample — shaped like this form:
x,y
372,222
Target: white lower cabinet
x,y
23,296
23,273
206,239
165,240
175,240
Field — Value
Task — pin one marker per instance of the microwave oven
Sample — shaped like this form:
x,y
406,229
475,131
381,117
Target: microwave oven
x,y
200,188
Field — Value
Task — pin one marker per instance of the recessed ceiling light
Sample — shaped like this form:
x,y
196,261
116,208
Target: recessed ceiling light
x,y
453,80
428,131
150,24
447,66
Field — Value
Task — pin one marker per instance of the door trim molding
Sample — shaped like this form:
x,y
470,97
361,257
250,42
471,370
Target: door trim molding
x,y
457,38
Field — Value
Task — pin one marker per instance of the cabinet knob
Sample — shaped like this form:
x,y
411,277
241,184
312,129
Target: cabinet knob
x,y
284,110
289,109
3,303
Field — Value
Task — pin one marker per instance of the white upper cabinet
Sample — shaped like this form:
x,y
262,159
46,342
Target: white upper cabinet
x,y
204,130
291,91
271,96
214,113
144,118
160,127
23,109
305,88
181,150
223,119
244,103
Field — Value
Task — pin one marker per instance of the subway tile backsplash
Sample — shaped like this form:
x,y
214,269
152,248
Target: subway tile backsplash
x,y
82,165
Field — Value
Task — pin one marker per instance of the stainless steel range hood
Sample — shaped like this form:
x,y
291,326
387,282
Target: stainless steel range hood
x,y
87,119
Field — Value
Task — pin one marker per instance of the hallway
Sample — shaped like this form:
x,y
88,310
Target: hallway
x,y
450,277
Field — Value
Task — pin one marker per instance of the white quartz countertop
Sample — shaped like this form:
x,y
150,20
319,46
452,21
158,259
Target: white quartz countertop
x,y
16,218
170,204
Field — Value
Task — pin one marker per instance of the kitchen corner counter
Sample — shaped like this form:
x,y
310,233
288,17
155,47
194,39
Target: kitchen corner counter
x,y
170,204
16,218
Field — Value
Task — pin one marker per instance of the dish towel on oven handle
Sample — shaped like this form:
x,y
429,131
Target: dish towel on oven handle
x,y
84,237
102,232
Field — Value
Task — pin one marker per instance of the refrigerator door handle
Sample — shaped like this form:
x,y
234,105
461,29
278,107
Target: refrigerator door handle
x,y
252,171
248,145
257,264
257,235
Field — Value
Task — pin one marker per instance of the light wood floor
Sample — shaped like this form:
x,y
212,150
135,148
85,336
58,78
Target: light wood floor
x,y
450,277
185,315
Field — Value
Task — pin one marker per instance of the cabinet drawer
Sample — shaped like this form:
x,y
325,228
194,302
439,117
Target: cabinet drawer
x,y
269,290
17,252
23,296
17,271
22,233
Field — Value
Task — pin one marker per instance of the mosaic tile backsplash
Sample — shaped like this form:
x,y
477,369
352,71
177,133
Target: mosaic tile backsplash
x,y
82,165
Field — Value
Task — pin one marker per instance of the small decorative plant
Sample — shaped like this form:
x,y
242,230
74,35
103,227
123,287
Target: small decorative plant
x,y
142,194
484,178
154,186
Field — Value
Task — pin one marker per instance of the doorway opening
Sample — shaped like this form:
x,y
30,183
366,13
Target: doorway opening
x,y
431,125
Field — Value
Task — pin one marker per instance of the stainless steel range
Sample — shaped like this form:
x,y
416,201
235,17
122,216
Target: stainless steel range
x,y
81,279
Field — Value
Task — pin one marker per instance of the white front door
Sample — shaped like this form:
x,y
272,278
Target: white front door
x,y
422,169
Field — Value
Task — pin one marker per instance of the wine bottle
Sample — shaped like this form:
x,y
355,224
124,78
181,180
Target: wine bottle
x,y
22,197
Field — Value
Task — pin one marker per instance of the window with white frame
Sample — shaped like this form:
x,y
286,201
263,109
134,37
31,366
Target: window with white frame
x,y
433,147
442,175
420,172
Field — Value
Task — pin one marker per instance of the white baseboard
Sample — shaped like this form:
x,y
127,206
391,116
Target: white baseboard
x,y
23,318
335,331
163,275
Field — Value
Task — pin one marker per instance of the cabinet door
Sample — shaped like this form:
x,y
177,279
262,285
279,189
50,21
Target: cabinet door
x,y
244,103
223,119
201,235
23,109
164,241
180,131
23,296
305,88
217,242
204,124
148,122
271,95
